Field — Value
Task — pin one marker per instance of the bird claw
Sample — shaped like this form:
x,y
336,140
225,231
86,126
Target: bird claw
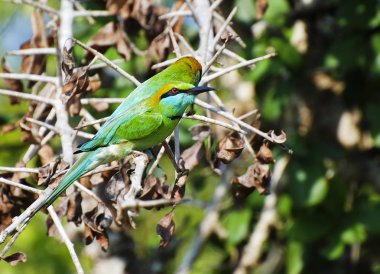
x,y
183,172
181,169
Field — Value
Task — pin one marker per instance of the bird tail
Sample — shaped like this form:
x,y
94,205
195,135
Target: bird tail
x,y
79,168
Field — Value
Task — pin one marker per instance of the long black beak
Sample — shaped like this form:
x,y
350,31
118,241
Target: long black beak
x,y
198,90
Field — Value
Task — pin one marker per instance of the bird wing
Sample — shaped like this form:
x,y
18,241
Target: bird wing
x,y
134,124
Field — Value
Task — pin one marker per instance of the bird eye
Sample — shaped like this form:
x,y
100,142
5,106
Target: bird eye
x,y
174,90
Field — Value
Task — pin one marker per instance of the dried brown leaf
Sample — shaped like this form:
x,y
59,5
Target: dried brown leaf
x,y
88,235
12,84
74,208
102,239
155,188
111,35
114,188
9,128
165,229
94,83
193,155
261,8
265,155
97,221
229,148
16,258
46,154
35,63
200,132
100,106
159,49
68,62
279,139
257,177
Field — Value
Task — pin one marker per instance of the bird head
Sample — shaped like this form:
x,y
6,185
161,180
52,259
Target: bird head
x,y
175,97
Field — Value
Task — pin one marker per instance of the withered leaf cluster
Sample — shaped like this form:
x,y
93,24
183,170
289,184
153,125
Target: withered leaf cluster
x,y
77,82
258,175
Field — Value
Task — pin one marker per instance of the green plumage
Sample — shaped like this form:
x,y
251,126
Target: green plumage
x,y
144,119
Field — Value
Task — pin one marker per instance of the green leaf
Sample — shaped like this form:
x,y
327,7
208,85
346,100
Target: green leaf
x,y
237,225
354,234
294,260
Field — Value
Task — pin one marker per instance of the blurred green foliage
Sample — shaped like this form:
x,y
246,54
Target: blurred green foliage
x,y
329,201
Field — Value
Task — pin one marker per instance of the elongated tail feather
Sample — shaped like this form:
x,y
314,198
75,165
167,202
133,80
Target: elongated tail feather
x,y
84,164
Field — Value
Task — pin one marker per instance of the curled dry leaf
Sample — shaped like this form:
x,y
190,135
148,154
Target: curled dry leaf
x,y
165,229
229,148
75,83
159,49
258,175
261,8
46,154
155,188
265,155
279,139
12,84
35,63
111,35
16,258
48,173
97,221
74,208
68,62
12,200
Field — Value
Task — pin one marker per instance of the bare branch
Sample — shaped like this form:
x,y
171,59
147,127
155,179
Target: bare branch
x,y
233,119
219,34
152,203
214,121
27,96
66,240
33,51
30,77
176,13
208,224
268,217
92,13
108,62
19,169
24,187
36,4
235,67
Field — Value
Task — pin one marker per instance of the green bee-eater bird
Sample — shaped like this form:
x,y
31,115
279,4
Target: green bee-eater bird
x,y
144,119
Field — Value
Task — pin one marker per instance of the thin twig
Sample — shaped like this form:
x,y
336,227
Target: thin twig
x,y
176,13
151,203
219,34
19,169
86,101
233,119
208,224
36,4
24,187
92,13
212,60
214,121
30,77
11,242
27,96
108,62
268,217
66,240
32,51
211,77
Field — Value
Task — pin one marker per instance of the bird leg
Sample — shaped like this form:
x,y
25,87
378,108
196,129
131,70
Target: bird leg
x,y
180,169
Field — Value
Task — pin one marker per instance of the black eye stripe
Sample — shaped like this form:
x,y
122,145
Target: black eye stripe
x,y
171,92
